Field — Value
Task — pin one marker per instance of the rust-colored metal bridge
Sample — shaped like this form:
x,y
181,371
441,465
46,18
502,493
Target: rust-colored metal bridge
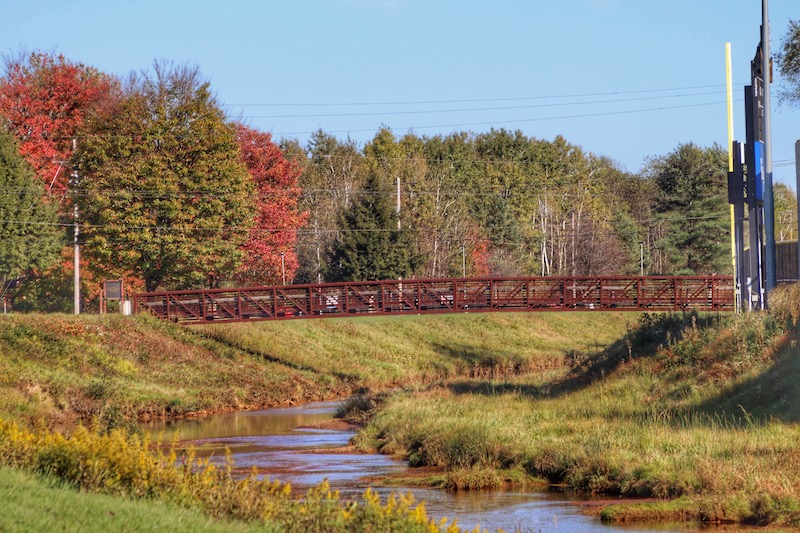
x,y
454,295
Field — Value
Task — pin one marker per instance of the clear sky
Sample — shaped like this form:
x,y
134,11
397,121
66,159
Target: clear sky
x,y
627,79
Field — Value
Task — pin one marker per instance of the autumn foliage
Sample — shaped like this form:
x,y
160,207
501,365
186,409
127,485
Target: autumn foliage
x,y
165,193
171,193
277,216
480,256
44,101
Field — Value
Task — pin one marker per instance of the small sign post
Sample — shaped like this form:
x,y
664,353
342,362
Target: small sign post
x,y
113,290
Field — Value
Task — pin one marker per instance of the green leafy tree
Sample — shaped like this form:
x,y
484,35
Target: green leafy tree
x,y
503,159
788,57
29,238
332,176
691,207
632,198
370,247
495,203
439,202
165,192
785,213
604,235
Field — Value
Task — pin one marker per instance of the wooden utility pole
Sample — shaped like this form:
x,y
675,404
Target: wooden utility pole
x,y
77,249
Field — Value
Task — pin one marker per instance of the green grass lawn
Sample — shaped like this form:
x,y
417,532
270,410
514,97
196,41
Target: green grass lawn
x,y
34,504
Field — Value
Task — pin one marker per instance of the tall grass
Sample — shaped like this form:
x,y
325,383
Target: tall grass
x,y
666,412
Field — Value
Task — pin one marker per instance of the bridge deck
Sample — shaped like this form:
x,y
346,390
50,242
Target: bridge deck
x,y
454,295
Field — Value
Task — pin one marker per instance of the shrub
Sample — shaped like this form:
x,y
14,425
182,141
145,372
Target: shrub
x,y
117,463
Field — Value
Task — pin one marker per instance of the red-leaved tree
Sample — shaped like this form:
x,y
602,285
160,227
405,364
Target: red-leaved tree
x,y
277,218
44,101
480,257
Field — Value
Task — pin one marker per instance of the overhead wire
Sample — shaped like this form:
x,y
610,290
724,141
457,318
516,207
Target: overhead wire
x,y
513,121
475,100
479,100
306,230
85,135
505,192
481,109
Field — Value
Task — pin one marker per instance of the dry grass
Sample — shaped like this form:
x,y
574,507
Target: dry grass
x,y
650,416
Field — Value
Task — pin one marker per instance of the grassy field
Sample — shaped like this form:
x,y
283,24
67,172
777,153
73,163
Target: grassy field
x,y
34,503
58,369
699,411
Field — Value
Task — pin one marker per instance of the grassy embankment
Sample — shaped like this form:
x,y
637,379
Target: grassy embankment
x,y
55,370
700,412
58,369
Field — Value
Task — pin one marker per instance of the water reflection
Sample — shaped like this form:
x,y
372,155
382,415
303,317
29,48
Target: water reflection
x,y
284,444
277,442
247,423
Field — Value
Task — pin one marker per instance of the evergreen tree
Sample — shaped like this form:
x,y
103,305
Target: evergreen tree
x,y
370,247
29,238
692,206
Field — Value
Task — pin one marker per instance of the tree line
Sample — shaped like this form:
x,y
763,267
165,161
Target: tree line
x,y
168,192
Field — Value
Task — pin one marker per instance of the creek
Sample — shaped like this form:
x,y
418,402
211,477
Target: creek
x,y
296,445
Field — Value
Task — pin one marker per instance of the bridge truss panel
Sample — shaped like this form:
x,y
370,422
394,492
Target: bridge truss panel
x,y
451,295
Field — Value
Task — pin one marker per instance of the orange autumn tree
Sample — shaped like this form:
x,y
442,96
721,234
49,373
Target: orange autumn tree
x,y
277,217
480,256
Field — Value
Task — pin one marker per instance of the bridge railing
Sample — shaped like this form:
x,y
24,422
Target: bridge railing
x,y
419,296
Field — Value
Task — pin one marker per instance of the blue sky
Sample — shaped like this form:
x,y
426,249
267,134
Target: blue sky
x,y
627,79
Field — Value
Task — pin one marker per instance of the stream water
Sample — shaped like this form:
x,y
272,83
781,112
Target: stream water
x,y
284,444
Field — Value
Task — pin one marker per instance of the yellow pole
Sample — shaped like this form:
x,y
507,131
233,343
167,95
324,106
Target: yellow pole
x,y
729,86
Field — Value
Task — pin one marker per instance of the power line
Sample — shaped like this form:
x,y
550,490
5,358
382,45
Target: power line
x,y
306,230
515,121
478,100
505,191
442,237
455,125
481,109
